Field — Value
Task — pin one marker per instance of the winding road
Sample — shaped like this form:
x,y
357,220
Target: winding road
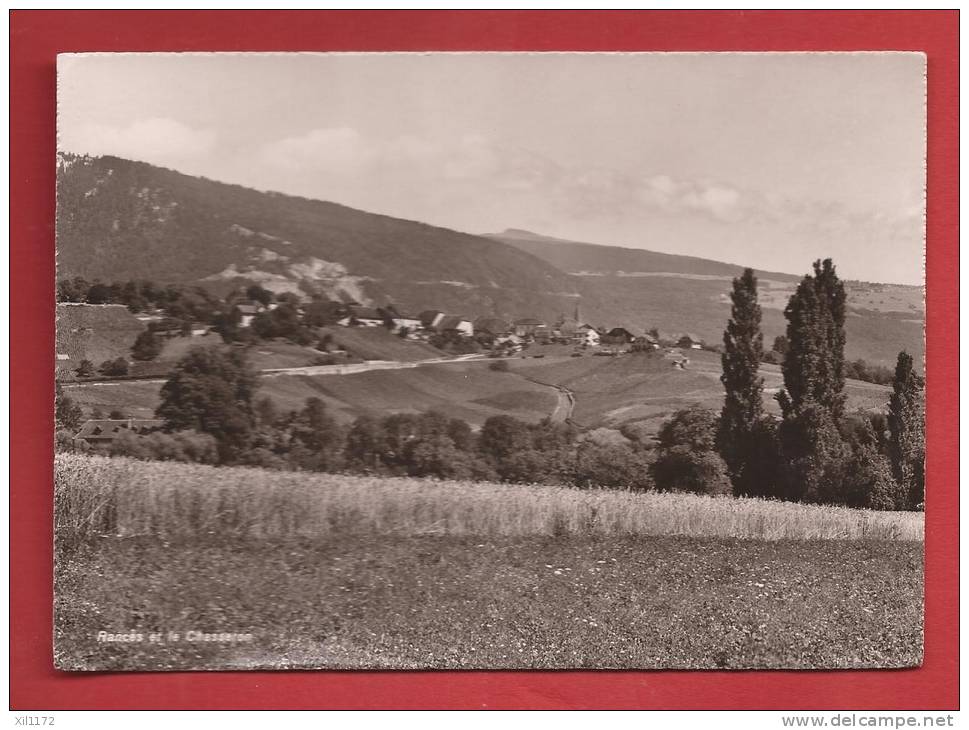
x,y
349,369
562,413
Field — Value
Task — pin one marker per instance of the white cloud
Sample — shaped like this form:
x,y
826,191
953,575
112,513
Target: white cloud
x,y
469,179
342,148
717,200
158,140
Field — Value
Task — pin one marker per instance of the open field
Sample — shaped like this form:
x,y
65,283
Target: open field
x,y
462,603
101,496
611,391
875,331
466,390
469,391
341,572
376,343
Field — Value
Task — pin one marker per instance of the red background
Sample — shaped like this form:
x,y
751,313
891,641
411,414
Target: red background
x,y
36,38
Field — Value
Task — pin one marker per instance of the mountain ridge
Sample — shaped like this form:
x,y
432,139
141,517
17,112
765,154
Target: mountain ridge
x,y
119,220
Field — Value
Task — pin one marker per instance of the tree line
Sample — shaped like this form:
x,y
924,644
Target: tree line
x,y
815,452
212,415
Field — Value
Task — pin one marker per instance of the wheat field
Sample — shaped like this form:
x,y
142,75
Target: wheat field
x,y
101,496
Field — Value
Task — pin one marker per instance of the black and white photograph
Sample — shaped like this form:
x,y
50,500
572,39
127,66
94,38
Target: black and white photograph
x,y
479,360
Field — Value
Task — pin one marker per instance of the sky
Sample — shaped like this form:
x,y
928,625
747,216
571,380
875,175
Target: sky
x,y
767,160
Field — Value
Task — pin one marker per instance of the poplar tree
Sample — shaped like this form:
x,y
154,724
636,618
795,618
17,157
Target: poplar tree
x,y
814,366
813,399
743,408
906,425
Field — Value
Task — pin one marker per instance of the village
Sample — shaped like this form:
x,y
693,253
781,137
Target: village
x,y
506,336
252,319
83,324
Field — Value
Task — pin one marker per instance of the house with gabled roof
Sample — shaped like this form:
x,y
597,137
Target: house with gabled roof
x,y
459,325
430,318
526,326
248,310
644,343
360,316
689,340
409,321
589,335
618,336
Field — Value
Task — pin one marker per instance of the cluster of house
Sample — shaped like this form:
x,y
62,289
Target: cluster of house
x,y
511,334
652,339
514,333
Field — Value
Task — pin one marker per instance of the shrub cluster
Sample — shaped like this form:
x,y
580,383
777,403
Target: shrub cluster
x,y
428,444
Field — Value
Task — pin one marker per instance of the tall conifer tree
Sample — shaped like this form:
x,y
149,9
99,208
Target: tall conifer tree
x,y
906,424
743,349
814,364
813,400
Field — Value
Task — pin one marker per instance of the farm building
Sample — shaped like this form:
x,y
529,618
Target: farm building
x,y
618,336
362,317
590,335
95,332
526,326
248,311
644,343
101,433
456,324
543,334
430,318
404,320
578,333
690,341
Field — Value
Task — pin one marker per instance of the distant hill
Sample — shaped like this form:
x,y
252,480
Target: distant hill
x,y
120,220
639,289
589,259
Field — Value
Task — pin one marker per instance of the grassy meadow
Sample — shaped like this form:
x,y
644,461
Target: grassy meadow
x,y
610,391
353,572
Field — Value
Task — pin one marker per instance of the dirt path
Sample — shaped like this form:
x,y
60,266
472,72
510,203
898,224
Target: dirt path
x,y
350,369
564,406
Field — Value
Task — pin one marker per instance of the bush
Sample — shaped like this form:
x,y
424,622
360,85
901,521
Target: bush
x,y
114,368
146,347
682,470
687,460
437,456
67,413
503,436
693,427
185,446
499,366
63,440
530,466
85,369
615,466
863,479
